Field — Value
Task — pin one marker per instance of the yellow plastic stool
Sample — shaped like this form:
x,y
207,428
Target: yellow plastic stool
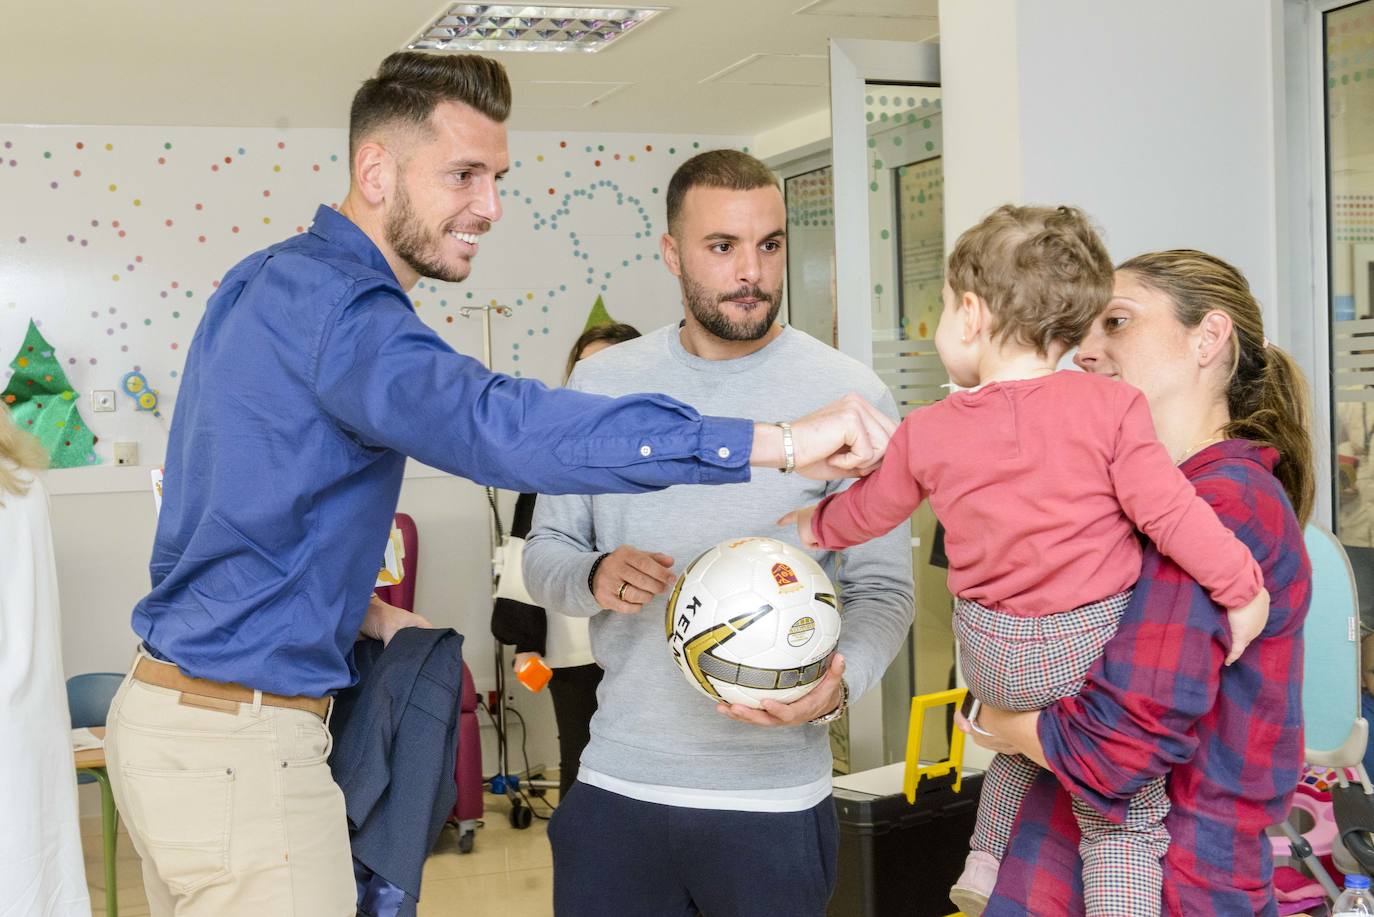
x,y
916,771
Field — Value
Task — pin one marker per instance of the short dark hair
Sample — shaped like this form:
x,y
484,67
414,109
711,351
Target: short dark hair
x,y
716,169
409,85
614,332
1043,271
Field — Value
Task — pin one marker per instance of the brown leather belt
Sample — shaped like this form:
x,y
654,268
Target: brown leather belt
x,y
163,675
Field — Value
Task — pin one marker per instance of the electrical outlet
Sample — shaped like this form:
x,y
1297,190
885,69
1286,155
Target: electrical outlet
x,y
102,400
126,453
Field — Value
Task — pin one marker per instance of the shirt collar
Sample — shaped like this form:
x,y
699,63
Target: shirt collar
x,y
341,232
732,365
1267,457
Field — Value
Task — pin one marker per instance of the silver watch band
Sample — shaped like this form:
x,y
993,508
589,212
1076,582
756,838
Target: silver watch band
x,y
838,712
789,451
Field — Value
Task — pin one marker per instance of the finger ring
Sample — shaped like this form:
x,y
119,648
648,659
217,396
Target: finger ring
x,y
620,593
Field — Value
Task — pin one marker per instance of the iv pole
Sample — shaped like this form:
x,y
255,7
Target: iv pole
x,y
493,532
504,782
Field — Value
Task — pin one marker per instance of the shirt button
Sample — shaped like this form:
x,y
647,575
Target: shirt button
x,y
645,451
723,452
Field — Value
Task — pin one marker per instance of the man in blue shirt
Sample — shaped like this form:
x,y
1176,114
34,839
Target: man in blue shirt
x,y
308,382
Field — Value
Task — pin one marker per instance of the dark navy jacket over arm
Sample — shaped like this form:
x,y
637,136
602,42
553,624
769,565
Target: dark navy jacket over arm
x,y
396,738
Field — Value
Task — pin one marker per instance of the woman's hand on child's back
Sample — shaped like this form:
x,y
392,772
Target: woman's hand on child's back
x,y
802,518
1246,623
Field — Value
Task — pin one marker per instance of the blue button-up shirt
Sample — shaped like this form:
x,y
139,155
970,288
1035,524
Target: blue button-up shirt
x,y
308,382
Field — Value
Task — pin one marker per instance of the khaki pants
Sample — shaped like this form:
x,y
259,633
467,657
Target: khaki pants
x,y
234,810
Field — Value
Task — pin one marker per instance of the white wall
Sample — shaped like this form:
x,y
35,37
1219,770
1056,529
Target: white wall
x,y
785,139
103,516
1168,136
981,92
1158,119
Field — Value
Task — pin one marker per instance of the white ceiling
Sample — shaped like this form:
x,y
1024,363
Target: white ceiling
x,y
702,66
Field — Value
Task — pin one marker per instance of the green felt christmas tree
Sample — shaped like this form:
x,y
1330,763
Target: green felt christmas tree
x,y
43,403
598,316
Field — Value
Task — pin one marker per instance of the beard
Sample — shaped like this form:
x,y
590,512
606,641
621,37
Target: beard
x,y
704,304
418,247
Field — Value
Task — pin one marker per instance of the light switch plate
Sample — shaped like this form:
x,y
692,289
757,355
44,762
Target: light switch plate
x,y
126,453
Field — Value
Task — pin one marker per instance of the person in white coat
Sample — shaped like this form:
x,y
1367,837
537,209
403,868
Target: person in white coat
x,y
42,873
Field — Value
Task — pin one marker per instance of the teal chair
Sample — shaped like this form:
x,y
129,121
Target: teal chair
x,y
88,699
1335,732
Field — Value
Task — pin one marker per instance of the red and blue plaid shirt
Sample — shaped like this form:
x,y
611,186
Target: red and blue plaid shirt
x,y
1160,701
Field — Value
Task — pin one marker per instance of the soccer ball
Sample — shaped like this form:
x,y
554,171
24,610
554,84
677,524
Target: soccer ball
x,y
753,619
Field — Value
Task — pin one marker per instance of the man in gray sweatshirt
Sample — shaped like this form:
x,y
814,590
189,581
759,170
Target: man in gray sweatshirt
x,y
682,805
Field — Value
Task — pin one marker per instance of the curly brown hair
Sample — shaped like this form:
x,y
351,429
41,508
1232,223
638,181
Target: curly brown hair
x,y
1043,271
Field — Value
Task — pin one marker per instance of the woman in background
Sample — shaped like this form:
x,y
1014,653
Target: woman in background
x,y
41,868
561,640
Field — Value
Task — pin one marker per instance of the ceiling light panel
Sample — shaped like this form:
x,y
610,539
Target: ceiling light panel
x,y
519,27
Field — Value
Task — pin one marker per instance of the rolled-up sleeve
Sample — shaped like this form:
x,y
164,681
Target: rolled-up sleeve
x,y
390,382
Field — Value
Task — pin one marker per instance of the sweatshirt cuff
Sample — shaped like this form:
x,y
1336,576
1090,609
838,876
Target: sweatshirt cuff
x,y
857,676
583,604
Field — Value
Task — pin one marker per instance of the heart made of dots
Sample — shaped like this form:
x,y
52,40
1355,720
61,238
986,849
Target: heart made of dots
x,y
589,193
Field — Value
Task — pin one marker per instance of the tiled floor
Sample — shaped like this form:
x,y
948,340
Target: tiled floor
x,y
509,873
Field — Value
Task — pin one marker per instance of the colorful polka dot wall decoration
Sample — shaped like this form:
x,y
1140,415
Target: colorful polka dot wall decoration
x,y
149,219
1352,217
811,199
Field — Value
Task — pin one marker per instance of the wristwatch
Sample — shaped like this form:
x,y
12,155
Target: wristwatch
x,y
839,710
972,717
789,451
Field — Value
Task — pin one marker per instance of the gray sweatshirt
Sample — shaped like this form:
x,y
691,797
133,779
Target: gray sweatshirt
x,y
650,725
